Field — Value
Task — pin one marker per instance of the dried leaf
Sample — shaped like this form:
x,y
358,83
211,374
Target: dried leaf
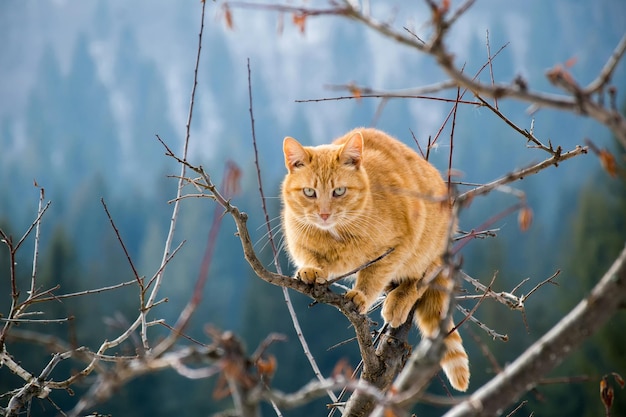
x,y
343,368
355,91
299,19
606,393
607,160
554,73
525,218
618,379
266,367
390,413
232,179
445,6
570,62
559,75
228,16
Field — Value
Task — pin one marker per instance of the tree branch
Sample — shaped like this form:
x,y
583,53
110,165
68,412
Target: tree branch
x,y
544,355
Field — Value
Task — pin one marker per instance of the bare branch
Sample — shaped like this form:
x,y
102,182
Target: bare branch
x,y
606,73
119,239
373,261
578,103
490,66
528,134
286,296
585,319
33,280
183,167
470,313
494,335
522,173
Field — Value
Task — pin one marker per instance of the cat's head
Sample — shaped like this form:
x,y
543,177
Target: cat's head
x,y
326,186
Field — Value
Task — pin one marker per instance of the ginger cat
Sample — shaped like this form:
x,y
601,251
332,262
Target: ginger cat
x,y
347,203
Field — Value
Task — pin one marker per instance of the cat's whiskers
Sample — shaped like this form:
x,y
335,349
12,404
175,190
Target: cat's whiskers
x,y
272,231
264,225
276,233
355,222
304,226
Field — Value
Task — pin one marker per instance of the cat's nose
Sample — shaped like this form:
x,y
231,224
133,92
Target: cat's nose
x,y
324,216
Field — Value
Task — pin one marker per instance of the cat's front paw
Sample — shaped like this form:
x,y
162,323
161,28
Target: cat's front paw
x,y
359,299
311,275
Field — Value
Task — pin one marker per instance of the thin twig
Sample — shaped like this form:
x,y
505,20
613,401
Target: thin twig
x,y
464,240
527,134
286,296
40,214
179,190
85,292
522,173
542,283
33,279
609,67
456,105
119,239
471,312
386,95
464,91
230,184
495,100
360,268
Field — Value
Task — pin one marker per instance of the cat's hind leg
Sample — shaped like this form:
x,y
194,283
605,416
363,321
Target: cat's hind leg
x,y
400,301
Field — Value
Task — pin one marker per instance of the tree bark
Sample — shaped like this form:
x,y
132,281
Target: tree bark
x,y
392,353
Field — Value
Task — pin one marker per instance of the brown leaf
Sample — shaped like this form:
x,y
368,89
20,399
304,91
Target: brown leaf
x,y
232,180
554,73
343,368
445,6
618,379
299,19
355,91
228,16
525,218
606,393
266,367
558,75
607,160
570,62
390,413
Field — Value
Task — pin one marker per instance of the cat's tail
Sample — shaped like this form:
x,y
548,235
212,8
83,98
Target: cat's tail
x,y
454,363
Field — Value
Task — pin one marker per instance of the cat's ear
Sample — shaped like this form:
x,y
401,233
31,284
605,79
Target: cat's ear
x,y
295,154
352,150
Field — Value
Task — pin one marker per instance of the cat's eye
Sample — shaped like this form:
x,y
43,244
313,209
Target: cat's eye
x,y
309,192
339,191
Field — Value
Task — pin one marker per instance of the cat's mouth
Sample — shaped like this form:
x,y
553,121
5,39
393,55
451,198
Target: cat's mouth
x,y
327,223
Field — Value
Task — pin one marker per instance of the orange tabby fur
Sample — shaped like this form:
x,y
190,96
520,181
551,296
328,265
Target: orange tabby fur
x,y
347,203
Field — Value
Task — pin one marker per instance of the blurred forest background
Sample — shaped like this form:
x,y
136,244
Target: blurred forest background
x,y
85,87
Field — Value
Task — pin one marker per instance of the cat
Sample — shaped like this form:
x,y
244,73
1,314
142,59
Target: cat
x,y
347,203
